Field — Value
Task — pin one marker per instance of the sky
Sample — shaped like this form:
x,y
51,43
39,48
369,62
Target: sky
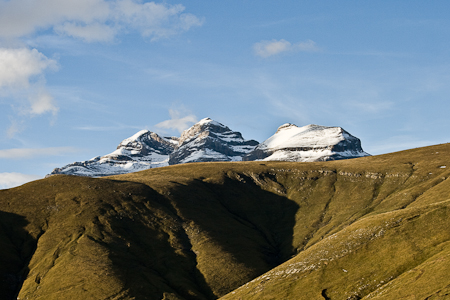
x,y
79,76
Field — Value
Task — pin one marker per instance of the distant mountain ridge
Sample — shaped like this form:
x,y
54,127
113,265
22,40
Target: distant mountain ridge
x,y
209,140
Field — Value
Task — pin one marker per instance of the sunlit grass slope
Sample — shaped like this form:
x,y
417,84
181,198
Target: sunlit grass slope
x,y
368,228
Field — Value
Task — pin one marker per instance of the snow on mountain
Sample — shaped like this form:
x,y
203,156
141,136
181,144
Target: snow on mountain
x,y
308,143
209,140
142,151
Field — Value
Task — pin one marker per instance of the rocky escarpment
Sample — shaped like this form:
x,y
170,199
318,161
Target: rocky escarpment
x,y
308,143
146,142
209,140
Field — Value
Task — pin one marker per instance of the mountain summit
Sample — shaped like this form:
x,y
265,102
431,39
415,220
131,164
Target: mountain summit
x,y
308,143
209,140
142,151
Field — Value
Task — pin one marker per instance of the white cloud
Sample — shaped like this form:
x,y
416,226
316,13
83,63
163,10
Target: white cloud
x,y
42,102
177,122
22,77
15,128
22,70
19,66
93,20
306,46
273,47
9,180
155,20
269,48
23,17
94,32
27,153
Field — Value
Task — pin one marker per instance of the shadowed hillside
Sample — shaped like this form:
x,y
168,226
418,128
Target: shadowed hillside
x,y
368,228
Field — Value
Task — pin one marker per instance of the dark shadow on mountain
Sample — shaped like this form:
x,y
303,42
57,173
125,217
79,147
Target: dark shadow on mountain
x,y
252,224
17,248
153,255
151,252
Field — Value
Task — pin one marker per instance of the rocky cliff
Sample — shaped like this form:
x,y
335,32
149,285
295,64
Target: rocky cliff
x,y
209,140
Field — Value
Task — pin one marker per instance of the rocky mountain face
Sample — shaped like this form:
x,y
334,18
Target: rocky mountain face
x,y
144,150
209,140
307,144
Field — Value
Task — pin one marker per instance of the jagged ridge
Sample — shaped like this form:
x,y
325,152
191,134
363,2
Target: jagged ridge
x,y
209,140
142,151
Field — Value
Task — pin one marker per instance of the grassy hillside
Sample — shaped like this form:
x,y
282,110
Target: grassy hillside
x,y
368,228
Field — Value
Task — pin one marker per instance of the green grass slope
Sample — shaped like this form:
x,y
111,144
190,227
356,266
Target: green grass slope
x,y
369,228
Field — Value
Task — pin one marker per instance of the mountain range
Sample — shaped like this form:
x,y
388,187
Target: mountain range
x,y
209,140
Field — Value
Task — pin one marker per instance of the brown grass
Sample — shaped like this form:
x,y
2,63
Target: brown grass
x,y
369,228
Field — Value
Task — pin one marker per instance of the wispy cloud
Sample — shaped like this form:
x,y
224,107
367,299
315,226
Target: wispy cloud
x,y
28,153
282,102
95,32
109,128
41,101
179,120
397,143
22,69
275,23
9,180
94,20
377,53
274,47
373,106
15,127
22,80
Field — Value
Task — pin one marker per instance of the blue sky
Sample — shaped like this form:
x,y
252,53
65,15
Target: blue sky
x,y
79,76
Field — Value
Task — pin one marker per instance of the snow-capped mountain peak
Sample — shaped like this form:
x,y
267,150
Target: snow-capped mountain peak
x,y
209,140
285,126
203,127
143,150
137,136
290,135
308,143
209,121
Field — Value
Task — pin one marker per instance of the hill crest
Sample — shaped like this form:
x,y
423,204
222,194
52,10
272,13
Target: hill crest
x,y
350,229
